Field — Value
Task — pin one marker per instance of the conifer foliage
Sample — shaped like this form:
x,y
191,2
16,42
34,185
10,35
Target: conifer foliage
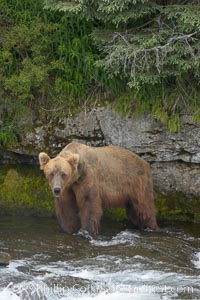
x,y
135,55
152,46
46,65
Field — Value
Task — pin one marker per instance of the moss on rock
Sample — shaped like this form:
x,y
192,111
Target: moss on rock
x,y
174,206
177,207
116,213
24,191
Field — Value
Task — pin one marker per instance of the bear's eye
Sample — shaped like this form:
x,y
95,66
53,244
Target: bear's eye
x,y
51,174
63,174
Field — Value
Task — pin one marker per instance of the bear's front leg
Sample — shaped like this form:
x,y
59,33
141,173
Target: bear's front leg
x,y
67,212
90,220
90,211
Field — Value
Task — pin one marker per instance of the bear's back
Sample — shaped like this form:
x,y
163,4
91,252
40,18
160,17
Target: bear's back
x,y
111,158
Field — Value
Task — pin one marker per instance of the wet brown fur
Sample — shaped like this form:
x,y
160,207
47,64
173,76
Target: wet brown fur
x,y
97,178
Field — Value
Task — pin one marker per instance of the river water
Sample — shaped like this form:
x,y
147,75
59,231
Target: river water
x,y
121,264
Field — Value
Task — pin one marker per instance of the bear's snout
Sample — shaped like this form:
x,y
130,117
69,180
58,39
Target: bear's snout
x,y
57,191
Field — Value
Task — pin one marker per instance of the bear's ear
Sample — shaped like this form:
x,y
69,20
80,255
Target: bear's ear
x,y
43,159
73,161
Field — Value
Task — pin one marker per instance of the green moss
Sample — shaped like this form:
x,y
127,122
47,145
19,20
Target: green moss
x,y
197,217
117,214
168,207
177,207
24,191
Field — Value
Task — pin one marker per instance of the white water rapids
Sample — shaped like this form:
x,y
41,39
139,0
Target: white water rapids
x,y
120,264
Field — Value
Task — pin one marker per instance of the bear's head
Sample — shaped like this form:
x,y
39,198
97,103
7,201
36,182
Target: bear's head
x,y
61,172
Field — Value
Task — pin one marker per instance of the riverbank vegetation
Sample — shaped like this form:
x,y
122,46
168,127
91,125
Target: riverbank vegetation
x,y
59,56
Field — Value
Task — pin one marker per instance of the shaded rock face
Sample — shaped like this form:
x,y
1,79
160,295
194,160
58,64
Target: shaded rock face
x,y
174,157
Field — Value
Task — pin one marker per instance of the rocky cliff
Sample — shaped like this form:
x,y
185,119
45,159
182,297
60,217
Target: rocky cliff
x,y
174,157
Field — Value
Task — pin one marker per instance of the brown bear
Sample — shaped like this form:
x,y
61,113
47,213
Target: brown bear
x,y
85,180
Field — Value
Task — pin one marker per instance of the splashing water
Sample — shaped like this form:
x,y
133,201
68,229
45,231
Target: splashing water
x,y
120,264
